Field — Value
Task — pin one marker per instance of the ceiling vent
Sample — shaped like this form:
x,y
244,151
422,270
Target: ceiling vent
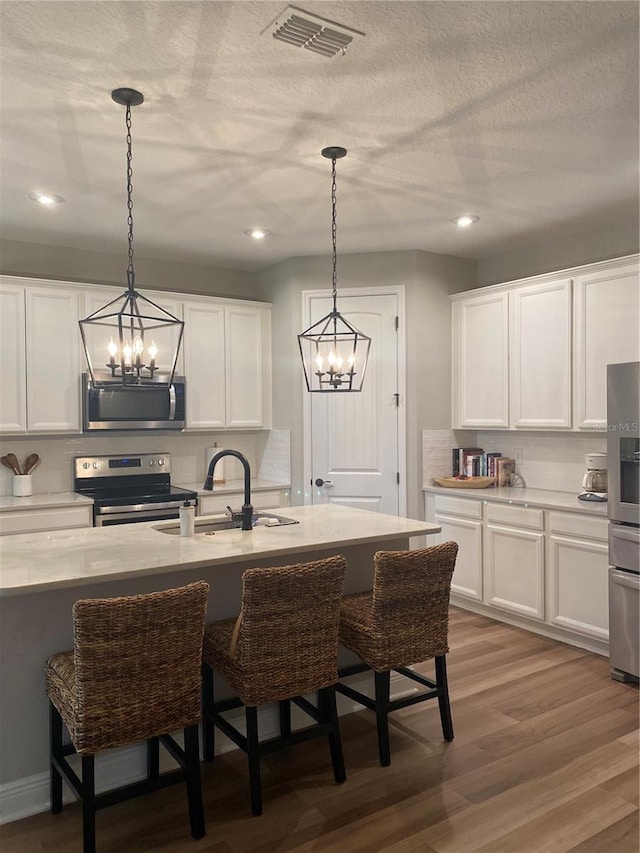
x,y
302,29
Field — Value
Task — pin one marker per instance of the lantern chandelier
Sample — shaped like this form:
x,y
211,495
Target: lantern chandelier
x,y
334,353
131,321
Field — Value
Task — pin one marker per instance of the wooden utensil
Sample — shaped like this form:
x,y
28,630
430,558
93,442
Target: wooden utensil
x,y
6,461
13,459
30,462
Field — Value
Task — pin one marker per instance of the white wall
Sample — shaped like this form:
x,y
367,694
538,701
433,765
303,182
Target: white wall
x,y
428,279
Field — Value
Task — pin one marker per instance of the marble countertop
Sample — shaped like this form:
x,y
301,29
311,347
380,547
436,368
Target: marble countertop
x,y
50,500
232,486
32,562
543,498
46,500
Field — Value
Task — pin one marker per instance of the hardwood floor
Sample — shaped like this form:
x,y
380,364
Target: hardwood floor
x,y
545,760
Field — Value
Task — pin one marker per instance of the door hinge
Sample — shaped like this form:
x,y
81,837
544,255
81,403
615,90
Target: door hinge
x,y
396,397
397,323
398,477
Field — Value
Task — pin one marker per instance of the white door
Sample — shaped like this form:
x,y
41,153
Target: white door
x,y
354,437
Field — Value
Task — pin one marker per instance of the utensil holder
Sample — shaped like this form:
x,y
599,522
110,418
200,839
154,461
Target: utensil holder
x,y
22,485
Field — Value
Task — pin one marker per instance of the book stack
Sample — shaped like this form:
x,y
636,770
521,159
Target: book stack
x,y
473,462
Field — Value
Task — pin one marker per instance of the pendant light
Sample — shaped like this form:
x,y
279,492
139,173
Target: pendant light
x,y
334,353
128,325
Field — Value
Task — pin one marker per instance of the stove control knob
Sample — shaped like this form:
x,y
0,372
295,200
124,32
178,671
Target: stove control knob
x,y
152,462
160,461
86,465
96,464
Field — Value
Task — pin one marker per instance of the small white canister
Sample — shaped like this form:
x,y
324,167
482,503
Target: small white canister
x,y
187,519
22,485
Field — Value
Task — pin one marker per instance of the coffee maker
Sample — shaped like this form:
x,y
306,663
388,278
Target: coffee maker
x,y
594,482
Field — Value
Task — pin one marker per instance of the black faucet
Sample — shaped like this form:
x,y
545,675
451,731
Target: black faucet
x,y
247,509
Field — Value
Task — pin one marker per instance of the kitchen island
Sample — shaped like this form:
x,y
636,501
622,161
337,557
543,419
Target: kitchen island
x,y
43,574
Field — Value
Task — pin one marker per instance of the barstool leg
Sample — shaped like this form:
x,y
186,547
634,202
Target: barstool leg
x,y
88,805
55,728
208,728
285,718
194,782
153,759
253,755
382,682
443,697
327,702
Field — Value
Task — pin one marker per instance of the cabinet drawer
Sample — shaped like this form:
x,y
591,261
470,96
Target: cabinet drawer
x,y
34,521
458,506
515,516
579,525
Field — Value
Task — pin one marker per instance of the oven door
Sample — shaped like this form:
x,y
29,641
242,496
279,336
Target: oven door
x,y
108,516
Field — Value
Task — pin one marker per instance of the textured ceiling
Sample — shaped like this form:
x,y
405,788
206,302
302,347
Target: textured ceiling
x,y
523,113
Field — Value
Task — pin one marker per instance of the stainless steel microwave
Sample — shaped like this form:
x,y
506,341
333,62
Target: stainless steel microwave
x,y
152,405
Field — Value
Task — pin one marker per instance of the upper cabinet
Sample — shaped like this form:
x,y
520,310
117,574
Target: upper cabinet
x,y
227,356
532,354
41,358
606,331
480,361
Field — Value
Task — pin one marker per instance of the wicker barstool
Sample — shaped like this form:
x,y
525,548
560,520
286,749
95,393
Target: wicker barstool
x,y
134,674
404,620
284,644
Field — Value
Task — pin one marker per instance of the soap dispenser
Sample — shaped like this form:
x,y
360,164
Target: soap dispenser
x,y
187,519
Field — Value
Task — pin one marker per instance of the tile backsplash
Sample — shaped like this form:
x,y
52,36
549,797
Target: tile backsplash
x,y
188,454
552,461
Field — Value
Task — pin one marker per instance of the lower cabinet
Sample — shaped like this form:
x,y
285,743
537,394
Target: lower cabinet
x,y
546,570
578,578
38,520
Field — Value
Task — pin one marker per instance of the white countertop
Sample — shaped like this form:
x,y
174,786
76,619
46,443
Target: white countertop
x,y
47,500
31,562
543,498
232,487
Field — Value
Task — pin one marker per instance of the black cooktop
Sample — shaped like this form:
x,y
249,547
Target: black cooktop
x,y
140,494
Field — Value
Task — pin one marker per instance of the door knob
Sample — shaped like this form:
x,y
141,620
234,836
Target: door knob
x,y
321,482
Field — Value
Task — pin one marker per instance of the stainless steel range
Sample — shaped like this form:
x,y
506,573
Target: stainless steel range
x,y
128,489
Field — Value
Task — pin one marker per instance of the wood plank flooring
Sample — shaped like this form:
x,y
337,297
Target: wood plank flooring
x,y
545,760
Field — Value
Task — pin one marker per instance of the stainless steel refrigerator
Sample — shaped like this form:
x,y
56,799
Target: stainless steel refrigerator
x,y
623,457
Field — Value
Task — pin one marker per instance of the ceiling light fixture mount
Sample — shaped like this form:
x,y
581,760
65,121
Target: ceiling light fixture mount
x,y
257,233
132,317
332,348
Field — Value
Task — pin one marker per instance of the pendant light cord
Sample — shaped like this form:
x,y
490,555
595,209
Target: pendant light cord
x,y
130,272
334,291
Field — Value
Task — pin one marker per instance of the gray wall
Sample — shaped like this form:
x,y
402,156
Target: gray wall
x,y
618,238
58,262
428,279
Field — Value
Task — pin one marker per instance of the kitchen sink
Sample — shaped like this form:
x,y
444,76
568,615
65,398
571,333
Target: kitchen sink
x,y
213,524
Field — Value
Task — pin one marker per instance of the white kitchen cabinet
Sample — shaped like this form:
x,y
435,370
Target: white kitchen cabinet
x,y
37,520
461,522
514,570
480,361
41,357
540,355
578,574
606,331
204,364
13,399
547,370
227,354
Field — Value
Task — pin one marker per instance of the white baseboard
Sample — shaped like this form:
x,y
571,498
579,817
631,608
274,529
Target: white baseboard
x,y
29,796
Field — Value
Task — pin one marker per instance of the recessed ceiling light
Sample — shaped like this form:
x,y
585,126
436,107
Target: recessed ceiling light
x,y
46,199
257,233
465,220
